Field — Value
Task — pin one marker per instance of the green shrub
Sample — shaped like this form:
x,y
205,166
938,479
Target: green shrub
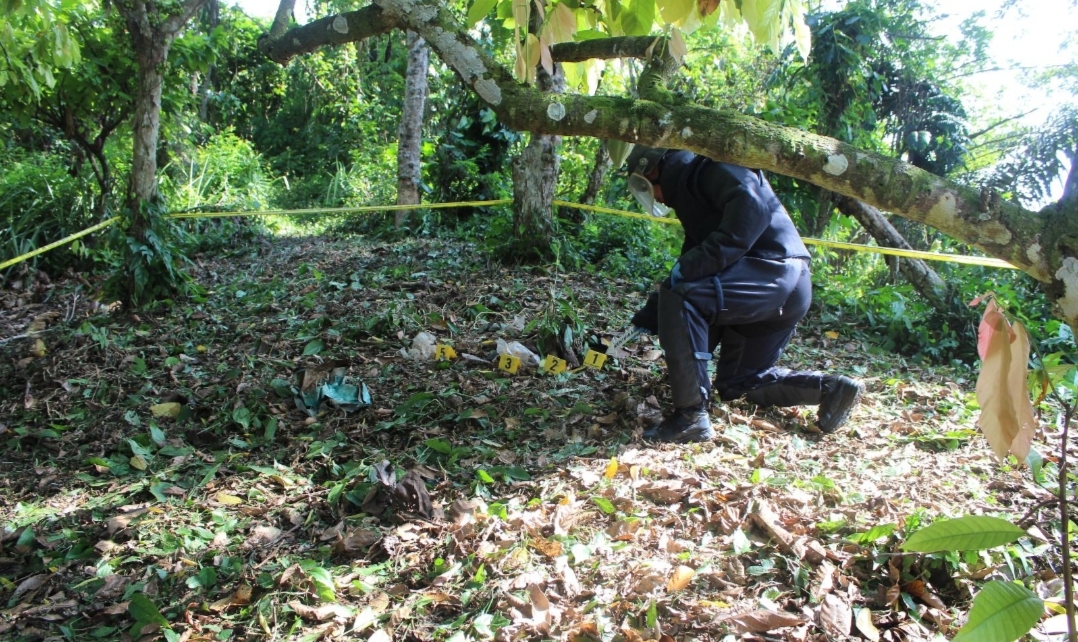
x,y
41,202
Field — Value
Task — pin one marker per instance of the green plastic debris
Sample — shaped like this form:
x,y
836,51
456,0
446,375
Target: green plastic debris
x,y
329,382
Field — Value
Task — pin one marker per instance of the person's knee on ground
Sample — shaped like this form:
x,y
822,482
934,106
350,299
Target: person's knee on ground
x,y
835,395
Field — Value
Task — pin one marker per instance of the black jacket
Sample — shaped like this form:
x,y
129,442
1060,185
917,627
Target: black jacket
x,y
728,212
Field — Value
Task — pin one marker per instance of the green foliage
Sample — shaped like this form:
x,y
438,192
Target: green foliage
x,y
973,532
36,41
148,267
223,174
1002,612
40,201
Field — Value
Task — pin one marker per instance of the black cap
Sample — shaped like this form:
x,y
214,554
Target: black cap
x,y
642,160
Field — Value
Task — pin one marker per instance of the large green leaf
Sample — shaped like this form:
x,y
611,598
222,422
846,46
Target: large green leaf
x,y
638,18
970,533
144,612
1002,612
479,10
674,10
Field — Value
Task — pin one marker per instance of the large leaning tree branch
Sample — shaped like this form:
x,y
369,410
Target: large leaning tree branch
x,y
281,46
1043,244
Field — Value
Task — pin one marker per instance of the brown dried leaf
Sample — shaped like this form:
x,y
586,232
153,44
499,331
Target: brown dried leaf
x,y
707,7
680,579
1006,417
760,621
31,583
322,613
357,542
541,615
836,617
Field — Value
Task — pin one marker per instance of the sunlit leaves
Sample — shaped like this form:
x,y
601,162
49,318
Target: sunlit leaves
x,y
970,533
479,10
673,11
638,18
1002,611
36,42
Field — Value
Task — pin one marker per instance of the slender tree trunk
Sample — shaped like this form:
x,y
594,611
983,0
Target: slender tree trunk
x,y
410,138
597,177
213,17
923,278
535,174
145,131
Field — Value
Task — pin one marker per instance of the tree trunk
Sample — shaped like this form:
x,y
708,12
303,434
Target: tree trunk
x,y
597,177
923,278
535,175
410,138
145,130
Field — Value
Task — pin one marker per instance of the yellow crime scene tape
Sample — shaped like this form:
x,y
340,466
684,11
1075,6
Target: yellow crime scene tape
x,y
916,254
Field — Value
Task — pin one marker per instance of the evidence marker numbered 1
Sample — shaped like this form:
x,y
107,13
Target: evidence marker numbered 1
x,y
594,359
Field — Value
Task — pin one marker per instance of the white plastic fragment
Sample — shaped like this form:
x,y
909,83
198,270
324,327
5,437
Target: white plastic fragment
x,y
518,350
422,347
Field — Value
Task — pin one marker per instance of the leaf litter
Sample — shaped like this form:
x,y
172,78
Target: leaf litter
x,y
175,472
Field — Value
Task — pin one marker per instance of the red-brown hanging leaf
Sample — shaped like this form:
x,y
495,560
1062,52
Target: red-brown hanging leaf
x,y
707,7
1006,412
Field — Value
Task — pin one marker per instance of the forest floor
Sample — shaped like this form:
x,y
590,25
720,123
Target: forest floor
x,y
159,479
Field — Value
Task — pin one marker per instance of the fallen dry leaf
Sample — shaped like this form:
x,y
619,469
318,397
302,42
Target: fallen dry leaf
x,y
864,624
322,613
836,617
31,583
760,620
680,579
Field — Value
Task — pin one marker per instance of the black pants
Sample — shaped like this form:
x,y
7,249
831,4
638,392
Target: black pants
x,y
749,311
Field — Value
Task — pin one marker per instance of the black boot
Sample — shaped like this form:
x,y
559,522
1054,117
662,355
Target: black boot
x,y
684,426
840,396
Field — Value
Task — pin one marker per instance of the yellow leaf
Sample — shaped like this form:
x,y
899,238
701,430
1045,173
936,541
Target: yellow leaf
x,y
168,409
611,468
562,23
138,462
38,349
1006,417
201,348
680,579
831,334
1055,608
228,500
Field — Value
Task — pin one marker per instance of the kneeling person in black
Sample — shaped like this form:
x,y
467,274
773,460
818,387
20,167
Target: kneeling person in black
x,y
742,282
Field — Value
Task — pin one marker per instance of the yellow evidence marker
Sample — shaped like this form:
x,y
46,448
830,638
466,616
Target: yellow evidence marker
x,y
508,363
553,365
594,359
444,352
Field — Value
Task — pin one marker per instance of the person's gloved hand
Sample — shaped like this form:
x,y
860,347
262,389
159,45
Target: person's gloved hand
x,y
647,317
675,275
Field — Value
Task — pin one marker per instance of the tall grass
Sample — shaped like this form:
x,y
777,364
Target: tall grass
x,y
40,202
